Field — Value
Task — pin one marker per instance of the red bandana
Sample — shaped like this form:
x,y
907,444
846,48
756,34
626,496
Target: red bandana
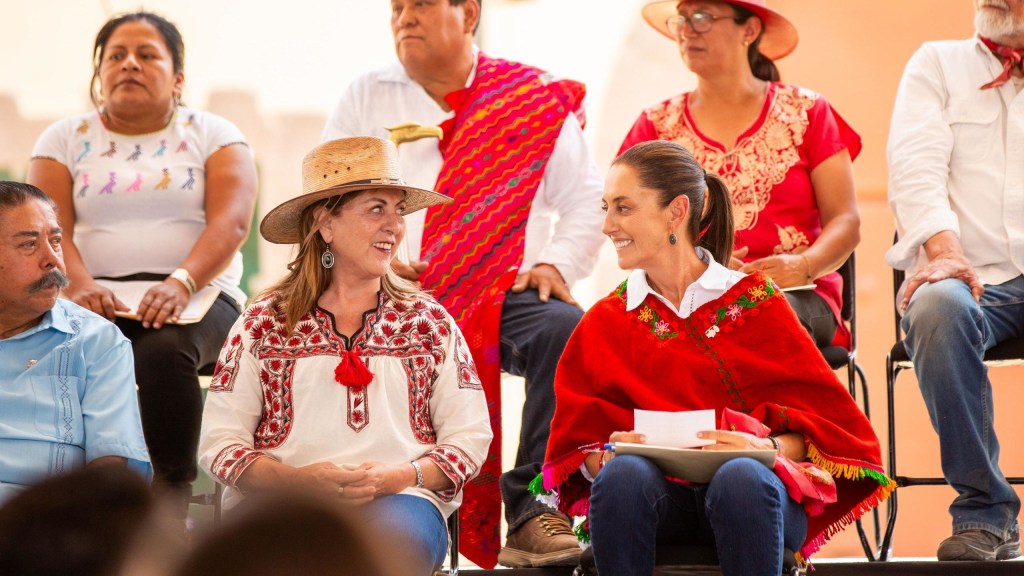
x,y
351,371
1012,58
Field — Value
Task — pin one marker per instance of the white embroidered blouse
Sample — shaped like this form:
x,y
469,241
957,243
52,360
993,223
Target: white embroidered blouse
x,y
274,395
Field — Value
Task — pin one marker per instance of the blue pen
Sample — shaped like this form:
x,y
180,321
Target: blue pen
x,y
610,447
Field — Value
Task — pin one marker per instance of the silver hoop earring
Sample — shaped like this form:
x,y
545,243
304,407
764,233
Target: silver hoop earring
x,y
327,258
672,238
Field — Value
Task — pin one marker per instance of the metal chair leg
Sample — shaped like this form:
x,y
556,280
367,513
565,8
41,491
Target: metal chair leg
x,y
453,544
891,372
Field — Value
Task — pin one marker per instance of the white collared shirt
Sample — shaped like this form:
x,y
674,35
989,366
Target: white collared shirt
x,y
564,225
711,284
956,159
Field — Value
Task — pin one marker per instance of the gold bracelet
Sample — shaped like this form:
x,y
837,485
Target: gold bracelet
x,y
807,263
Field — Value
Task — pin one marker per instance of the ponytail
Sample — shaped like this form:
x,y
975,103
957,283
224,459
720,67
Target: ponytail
x,y
672,171
714,232
762,66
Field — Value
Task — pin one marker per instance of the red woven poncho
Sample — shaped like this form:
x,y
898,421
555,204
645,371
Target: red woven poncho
x,y
745,351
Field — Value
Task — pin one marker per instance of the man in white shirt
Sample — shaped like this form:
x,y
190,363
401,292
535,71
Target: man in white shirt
x,y
526,194
956,185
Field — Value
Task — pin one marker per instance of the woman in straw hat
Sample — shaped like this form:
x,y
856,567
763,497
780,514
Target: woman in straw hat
x,y
342,377
785,154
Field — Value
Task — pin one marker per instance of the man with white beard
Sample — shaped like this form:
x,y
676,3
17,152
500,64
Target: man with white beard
x,y
956,186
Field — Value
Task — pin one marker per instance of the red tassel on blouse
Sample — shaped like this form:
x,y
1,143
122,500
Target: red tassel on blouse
x,y
351,371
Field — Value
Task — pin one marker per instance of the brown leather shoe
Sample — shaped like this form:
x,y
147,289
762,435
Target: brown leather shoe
x,y
545,540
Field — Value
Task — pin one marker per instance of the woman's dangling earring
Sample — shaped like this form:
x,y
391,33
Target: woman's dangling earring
x,y
327,258
672,238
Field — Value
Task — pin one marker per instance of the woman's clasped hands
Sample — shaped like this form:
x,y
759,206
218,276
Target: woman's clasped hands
x,y
357,484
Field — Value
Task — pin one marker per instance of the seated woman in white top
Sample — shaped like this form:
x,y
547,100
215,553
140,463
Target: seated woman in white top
x,y
343,377
148,189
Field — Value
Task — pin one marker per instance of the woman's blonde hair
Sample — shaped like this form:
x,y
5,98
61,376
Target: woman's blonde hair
x,y
307,279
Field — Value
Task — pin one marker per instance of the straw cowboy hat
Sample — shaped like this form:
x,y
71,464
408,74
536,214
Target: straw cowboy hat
x,y
339,167
778,39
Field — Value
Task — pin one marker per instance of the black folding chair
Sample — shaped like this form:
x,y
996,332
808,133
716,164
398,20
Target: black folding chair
x,y
453,545
839,358
1008,353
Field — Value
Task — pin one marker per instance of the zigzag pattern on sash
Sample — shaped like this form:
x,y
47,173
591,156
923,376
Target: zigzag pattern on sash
x,y
495,152
480,235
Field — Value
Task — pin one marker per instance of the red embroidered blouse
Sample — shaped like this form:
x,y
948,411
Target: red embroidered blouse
x,y
768,170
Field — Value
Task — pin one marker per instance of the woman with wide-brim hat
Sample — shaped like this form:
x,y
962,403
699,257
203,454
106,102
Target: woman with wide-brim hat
x,y
343,377
783,151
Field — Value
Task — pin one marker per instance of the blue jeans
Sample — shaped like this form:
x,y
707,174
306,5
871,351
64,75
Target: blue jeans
x,y
744,512
947,336
533,335
417,533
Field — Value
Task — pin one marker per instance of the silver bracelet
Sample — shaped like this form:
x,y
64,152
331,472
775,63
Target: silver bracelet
x,y
775,444
419,473
182,275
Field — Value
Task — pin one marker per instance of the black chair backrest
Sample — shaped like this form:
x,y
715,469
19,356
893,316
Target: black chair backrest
x,y
897,280
848,271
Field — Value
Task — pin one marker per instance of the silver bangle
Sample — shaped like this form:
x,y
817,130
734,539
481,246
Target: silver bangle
x,y
775,444
419,473
182,275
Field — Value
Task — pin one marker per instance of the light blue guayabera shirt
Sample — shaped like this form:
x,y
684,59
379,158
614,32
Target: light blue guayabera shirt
x,y
67,397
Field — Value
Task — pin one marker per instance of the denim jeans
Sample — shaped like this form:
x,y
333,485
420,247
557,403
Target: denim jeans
x,y
413,526
533,335
947,336
744,512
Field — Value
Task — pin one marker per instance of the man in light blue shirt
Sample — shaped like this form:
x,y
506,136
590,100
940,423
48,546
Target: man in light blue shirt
x,y
67,378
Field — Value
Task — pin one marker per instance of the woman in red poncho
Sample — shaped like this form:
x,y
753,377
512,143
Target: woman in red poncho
x,y
685,333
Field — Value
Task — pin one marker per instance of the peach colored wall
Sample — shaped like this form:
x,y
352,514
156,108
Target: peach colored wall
x,y
854,54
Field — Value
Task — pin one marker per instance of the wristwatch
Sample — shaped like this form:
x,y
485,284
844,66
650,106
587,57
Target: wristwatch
x,y
182,275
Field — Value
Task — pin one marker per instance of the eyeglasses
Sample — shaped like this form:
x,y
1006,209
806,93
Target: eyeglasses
x,y
700,22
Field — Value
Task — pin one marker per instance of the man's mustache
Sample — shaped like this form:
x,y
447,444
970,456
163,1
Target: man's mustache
x,y
52,278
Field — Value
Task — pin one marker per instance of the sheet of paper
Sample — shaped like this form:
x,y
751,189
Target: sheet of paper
x,y
675,429
802,287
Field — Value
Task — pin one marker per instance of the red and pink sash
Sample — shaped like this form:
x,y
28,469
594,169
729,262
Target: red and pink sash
x,y
495,151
